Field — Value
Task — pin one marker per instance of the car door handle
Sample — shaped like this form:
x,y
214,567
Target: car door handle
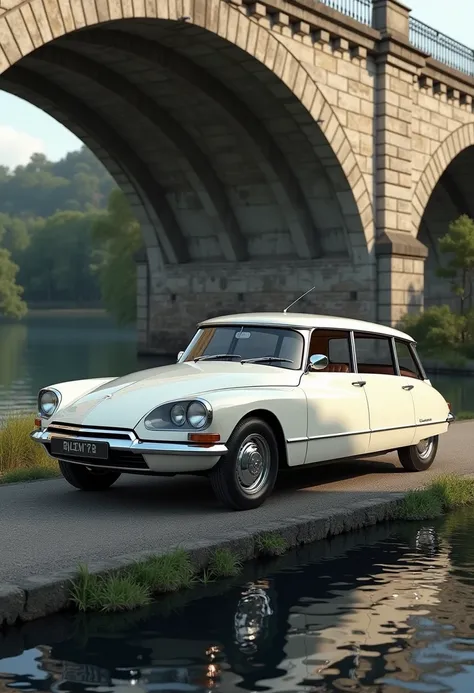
x,y
359,383
407,387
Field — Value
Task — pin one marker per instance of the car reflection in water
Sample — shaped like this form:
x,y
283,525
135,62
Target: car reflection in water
x,y
196,668
251,617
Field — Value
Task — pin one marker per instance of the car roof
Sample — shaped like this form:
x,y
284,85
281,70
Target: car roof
x,y
305,321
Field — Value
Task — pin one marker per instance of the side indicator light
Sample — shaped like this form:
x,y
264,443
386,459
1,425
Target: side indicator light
x,y
37,423
204,438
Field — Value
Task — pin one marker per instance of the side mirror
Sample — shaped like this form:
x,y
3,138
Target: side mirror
x,y
180,353
318,362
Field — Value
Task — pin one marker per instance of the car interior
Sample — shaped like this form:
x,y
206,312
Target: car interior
x,y
335,345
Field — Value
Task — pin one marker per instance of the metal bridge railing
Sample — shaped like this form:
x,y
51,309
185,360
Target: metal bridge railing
x,y
441,47
361,10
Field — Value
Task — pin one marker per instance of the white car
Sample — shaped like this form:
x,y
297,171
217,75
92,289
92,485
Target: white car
x,y
251,394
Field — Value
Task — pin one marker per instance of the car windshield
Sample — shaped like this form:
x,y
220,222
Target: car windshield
x,y
272,346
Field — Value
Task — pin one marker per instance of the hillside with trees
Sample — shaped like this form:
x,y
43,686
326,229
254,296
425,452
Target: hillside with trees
x,y
67,237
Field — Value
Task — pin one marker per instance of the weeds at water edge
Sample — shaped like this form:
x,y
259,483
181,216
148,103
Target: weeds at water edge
x,y
445,493
224,563
167,573
271,544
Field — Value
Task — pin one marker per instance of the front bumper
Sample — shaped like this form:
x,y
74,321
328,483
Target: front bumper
x,y
128,453
451,418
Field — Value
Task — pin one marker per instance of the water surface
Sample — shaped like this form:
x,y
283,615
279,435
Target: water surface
x,y
385,610
53,347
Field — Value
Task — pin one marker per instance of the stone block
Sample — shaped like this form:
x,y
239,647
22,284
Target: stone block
x,y
321,36
12,601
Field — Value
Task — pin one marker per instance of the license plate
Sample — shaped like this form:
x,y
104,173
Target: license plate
x,y
79,448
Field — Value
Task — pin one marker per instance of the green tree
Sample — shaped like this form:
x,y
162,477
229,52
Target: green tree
x,y
11,303
458,246
437,329
13,233
118,233
57,264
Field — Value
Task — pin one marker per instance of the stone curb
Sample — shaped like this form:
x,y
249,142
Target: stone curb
x,y
38,596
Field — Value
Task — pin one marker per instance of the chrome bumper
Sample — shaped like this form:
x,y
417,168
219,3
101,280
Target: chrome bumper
x,y
130,443
450,418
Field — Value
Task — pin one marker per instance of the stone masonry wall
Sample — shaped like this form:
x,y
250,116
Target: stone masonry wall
x,y
382,120
194,294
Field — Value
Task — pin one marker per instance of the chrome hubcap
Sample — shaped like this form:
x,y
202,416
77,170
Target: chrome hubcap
x,y
425,448
253,463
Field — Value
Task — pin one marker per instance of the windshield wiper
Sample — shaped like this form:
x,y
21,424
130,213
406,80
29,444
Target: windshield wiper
x,y
260,359
209,357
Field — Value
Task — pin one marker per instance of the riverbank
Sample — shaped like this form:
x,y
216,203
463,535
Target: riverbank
x,y
140,518
39,596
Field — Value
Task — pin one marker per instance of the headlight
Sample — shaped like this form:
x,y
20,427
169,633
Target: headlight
x,y
194,413
48,402
178,415
197,414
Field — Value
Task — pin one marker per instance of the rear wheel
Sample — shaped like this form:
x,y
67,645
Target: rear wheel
x,y
246,475
419,457
86,478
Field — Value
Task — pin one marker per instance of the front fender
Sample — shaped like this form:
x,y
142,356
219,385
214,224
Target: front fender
x,y
70,391
287,404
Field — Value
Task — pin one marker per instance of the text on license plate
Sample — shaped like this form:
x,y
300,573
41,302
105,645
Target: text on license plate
x,y
79,448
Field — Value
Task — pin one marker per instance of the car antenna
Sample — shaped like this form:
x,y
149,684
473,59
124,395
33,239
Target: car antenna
x,y
299,299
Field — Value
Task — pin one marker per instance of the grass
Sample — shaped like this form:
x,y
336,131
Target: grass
x,y
136,585
465,415
21,459
224,563
110,593
168,573
271,544
29,474
445,493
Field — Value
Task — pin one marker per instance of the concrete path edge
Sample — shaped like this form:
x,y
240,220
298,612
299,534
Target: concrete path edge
x,y
38,596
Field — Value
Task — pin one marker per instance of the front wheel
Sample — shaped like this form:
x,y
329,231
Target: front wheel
x,y
420,457
246,475
87,479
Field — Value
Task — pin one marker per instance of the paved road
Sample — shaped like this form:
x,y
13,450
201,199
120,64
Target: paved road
x,y
48,526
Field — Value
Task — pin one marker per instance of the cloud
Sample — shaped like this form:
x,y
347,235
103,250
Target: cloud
x,y
16,147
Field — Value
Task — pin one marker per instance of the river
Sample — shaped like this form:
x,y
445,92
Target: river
x,y
54,346
385,610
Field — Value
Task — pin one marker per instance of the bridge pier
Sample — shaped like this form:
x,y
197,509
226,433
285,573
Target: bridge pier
x,y
265,147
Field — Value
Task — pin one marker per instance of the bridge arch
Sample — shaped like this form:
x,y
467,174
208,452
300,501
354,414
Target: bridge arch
x,y
273,143
459,140
443,194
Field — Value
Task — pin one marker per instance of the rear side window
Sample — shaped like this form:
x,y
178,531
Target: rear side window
x,y
408,366
335,344
374,354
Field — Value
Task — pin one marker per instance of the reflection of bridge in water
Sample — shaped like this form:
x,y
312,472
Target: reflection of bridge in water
x,y
349,617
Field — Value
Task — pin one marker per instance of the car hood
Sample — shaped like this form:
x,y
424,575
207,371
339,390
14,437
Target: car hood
x,y
123,402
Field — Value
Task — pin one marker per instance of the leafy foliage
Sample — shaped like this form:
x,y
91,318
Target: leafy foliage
x,y
458,244
436,329
119,234
440,331
63,239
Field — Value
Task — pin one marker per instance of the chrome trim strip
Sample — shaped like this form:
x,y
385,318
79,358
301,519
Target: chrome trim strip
x,y
73,431
359,433
140,447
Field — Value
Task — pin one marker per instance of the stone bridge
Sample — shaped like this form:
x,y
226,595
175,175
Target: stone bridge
x,y
265,147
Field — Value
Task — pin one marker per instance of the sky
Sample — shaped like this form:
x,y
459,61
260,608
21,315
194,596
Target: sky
x,y
25,129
